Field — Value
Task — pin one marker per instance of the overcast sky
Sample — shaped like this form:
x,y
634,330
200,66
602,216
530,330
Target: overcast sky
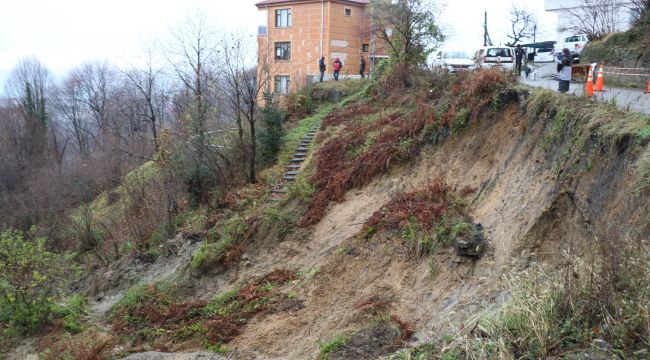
x,y
66,33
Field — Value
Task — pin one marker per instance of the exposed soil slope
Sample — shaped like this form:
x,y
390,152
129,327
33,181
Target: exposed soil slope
x,y
546,182
534,204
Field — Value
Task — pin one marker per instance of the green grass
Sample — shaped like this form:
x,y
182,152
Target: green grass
x,y
325,348
280,219
220,238
642,177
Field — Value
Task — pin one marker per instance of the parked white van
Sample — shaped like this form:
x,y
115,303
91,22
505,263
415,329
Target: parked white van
x,y
493,56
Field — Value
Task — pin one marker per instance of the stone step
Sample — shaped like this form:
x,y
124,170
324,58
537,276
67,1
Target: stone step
x,y
289,178
282,190
297,160
293,166
291,173
302,148
299,155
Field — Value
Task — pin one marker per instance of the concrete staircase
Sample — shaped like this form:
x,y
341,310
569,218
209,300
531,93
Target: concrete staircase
x,y
295,163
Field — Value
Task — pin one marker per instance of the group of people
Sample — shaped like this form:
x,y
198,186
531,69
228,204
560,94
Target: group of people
x,y
338,65
563,61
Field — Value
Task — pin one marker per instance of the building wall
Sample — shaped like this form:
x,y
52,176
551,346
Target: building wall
x,y
563,8
342,37
346,36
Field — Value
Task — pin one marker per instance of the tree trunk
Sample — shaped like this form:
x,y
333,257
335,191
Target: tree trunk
x,y
251,174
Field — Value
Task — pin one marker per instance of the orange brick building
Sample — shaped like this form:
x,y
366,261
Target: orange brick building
x,y
299,32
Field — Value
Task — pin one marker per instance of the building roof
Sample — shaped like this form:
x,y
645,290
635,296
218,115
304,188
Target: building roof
x,y
278,2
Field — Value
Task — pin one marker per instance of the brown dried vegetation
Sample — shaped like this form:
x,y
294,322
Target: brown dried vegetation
x,y
353,157
426,206
159,318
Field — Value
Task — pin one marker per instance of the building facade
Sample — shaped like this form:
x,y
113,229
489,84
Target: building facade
x,y
623,13
298,32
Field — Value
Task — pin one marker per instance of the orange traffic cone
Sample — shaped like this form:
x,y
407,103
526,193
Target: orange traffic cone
x,y
648,91
600,79
590,82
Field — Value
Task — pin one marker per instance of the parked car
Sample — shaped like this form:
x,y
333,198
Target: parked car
x,y
492,56
544,55
575,44
453,61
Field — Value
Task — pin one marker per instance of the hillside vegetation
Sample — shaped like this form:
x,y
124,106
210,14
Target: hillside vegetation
x,y
624,50
464,217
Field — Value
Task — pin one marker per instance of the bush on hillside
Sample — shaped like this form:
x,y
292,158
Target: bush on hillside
x,y
32,280
270,137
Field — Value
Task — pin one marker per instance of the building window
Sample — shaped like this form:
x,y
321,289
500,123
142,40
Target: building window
x,y
282,84
365,47
283,50
347,12
283,18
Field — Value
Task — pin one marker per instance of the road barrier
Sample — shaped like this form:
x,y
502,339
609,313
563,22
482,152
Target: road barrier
x,y
589,87
600,80
628,76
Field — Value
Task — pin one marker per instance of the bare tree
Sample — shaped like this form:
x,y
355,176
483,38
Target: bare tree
x,y
522,25
147,82
239,86
595,18
192,56
97,81
28,86
69,104
409,29
641,7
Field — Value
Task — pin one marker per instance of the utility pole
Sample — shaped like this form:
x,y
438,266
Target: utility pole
x,y
486,36
534,42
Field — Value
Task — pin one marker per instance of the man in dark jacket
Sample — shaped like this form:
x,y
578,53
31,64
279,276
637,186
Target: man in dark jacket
x,y
321,67
519,55
362,67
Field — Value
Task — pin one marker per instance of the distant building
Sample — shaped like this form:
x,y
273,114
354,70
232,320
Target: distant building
x,y
625,14
298,32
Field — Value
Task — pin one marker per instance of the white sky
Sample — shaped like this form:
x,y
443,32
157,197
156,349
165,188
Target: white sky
x,y
66,33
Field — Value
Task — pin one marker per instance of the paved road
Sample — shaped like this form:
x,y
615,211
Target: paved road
x,y
627,99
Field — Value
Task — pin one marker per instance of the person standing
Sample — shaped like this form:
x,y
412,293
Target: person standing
x,y
519,56
321,67
362,67
564,70
337,68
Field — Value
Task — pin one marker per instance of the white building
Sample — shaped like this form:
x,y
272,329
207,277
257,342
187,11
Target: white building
x,y
623,13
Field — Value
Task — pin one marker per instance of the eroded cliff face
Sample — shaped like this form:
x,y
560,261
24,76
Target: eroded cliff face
x,y
550,179
548,189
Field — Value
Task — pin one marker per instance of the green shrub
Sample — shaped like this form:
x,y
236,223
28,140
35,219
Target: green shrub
x,y
282,220
71,313
32,279
326,348
221,237
270,137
